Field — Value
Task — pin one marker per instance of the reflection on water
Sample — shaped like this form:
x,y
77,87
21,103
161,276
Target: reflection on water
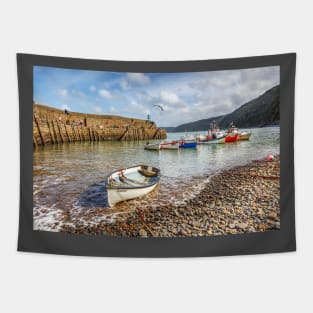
x,y
69,179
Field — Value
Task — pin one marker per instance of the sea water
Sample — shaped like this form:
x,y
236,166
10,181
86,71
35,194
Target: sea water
x,y
70,177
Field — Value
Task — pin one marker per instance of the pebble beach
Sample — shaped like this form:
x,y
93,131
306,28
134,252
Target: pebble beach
x,y
243,199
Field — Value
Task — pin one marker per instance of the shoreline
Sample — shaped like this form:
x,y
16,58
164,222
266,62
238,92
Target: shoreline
x,y
242,199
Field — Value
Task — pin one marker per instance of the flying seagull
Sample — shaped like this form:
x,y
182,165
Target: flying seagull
x,y
159,106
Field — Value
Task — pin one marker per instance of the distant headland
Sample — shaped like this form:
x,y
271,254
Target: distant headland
x,y
259,112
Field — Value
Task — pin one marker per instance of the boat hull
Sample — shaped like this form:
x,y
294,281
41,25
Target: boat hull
x,y
200,138
244,136
169,145
188,145
131,182
152,147
213,141
231,138
118,195
187,141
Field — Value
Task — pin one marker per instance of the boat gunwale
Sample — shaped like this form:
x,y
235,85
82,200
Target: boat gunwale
x,y
128,187
147,145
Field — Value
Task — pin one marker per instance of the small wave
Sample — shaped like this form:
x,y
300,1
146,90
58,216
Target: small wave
x,y
90,208
48,219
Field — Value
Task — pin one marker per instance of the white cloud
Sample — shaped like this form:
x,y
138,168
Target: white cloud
x,y
138,78
63,92
105,93
78,93
65,107
138,107
97,109
112,109
185,97
169,97
124,83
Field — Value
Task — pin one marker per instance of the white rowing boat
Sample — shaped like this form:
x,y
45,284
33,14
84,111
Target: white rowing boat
x,y
152,146
131,182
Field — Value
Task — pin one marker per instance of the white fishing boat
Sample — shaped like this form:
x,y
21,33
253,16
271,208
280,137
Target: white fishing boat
x,y
131,182
214,134
213,141
201,138
218,135
171,145
244,135
152,146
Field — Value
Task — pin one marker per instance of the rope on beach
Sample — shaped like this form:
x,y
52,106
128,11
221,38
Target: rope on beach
x,y
144,224
141,220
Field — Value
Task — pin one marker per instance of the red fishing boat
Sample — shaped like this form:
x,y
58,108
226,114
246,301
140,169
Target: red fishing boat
x,y
245,135
231,137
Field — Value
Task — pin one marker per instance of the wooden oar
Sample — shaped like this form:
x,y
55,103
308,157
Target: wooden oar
x,y
141,220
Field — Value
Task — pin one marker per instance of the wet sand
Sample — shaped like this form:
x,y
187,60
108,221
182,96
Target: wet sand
x,y
243,199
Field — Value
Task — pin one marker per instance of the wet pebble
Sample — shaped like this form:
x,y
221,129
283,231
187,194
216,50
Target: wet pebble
x,y
233,201
142,233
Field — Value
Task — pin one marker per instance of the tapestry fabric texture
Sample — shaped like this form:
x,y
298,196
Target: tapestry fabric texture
x,y
156,159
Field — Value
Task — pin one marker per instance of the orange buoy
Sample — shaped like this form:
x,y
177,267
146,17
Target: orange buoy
x,y
270,157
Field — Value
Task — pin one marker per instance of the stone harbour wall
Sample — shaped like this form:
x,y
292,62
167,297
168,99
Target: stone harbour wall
x,y
53,126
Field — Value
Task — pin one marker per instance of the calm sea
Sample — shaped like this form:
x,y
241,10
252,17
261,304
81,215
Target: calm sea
x,y
71,176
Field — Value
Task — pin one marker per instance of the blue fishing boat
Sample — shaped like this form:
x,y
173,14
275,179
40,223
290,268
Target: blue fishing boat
x,y
187,142
188,145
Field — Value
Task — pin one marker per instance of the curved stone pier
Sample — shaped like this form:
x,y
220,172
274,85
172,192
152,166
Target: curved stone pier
x,y
53,126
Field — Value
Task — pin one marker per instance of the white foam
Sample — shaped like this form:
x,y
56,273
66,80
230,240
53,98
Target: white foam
x,y
48,219
52,218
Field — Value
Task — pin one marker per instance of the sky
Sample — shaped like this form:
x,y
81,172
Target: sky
x,y
184,97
